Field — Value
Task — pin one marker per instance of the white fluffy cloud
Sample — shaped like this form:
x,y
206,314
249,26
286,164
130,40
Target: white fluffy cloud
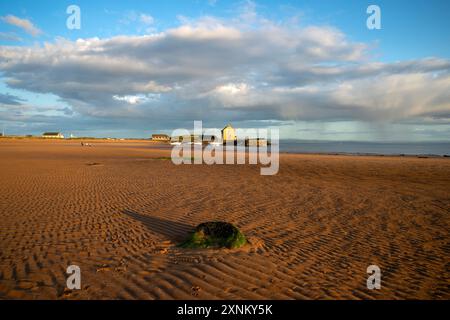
x,y
136,99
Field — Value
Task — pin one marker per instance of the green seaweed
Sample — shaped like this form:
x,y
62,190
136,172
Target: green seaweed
x,y
215,234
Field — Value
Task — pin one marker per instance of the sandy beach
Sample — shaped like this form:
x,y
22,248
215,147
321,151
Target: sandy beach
x,y
118,210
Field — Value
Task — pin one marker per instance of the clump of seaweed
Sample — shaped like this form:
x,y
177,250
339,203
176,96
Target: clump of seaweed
x,y
215,234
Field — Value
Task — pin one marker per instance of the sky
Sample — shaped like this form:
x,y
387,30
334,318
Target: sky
x,y
313,69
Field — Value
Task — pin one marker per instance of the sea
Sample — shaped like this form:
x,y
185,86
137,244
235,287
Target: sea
x,y
362,148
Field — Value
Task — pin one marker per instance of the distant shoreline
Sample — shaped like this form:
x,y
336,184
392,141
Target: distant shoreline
x,y
283,149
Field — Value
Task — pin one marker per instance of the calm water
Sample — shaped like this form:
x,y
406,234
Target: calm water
x,y
352,147
394,148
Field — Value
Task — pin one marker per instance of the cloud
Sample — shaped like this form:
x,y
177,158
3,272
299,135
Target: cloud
x,y
24,24
9,36
144,22
243,69
146,19
136,99
232,89
6,98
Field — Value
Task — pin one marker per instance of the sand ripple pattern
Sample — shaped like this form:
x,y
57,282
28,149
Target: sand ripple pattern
x,y
118,210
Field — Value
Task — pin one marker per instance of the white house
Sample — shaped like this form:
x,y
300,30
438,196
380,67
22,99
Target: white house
x,y
53,135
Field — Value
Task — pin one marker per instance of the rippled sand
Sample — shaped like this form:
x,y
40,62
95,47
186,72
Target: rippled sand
x,y
118,209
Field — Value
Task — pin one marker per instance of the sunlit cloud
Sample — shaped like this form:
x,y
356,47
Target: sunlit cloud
x,y
24,24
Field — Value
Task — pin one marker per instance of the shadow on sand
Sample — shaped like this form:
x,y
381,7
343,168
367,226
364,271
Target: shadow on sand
x,y
172,230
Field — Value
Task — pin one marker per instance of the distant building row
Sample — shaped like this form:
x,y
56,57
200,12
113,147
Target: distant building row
x,y
160,137
228,134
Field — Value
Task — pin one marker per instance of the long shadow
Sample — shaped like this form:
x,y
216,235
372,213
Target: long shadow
x,y
174,231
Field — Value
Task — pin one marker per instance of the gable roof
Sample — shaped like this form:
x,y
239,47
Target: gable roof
x,y
51,133
227,126
160,135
